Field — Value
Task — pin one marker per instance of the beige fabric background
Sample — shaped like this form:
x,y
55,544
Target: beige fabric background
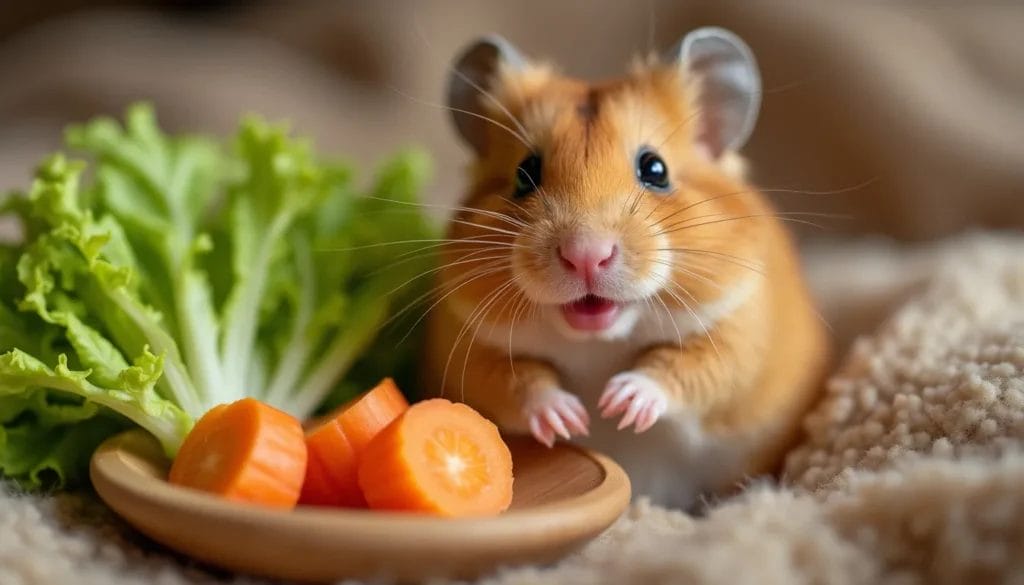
x,y
919,104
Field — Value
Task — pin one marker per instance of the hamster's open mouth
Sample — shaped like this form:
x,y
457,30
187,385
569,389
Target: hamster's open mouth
x,y
591,313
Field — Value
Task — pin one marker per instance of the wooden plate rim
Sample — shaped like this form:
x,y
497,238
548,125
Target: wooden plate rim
x,y
112,470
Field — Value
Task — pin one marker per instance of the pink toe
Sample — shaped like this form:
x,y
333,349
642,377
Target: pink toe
x,y
634,409
574,422
554,420
539,432
618,404
646,419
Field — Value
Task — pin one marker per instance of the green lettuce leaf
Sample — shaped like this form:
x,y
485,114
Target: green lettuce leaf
x,y
45,437
169,273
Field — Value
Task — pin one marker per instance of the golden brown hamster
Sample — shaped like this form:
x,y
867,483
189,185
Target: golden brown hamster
x,y
611,278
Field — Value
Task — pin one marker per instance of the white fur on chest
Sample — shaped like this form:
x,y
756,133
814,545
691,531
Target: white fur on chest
x,y
674,461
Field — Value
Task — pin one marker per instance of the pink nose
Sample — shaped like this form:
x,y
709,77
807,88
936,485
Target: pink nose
x,y
587,256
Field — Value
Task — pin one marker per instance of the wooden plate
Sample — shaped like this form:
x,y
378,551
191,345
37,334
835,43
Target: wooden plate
x,y
563,497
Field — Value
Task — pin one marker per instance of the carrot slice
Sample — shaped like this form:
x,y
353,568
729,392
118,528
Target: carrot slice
x,y
245,451
438,457
336,444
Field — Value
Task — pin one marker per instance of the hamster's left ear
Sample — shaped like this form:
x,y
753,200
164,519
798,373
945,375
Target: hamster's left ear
x,y
472,81
730,86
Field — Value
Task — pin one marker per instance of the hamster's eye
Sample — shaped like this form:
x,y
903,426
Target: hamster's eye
x,y
527,175
652,171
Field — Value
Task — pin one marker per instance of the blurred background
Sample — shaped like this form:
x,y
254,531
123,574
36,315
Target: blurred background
x,y
905,118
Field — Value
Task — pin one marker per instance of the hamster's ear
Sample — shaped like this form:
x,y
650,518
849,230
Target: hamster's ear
x,y
471,82
730,86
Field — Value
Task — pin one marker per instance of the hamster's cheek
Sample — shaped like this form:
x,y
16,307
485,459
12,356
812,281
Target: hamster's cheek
x,y
648,262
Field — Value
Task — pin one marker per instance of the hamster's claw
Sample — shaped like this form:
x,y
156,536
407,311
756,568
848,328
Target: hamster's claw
x,y
556,412
638,398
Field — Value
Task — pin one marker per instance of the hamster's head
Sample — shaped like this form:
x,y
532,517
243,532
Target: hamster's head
x,y
591,203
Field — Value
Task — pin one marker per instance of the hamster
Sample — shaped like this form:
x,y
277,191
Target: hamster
x,y
613,280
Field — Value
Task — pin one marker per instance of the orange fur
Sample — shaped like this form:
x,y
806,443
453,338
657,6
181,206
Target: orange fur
x,y
756,369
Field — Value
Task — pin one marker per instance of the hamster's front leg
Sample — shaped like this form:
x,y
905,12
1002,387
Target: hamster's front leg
x,y
523,396
671,379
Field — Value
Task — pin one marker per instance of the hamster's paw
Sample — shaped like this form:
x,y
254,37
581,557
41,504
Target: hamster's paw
x,y
641,399
555,412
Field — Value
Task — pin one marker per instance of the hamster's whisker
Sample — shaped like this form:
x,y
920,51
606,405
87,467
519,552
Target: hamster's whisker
x,y
468,241
628,200
664,284
441,241
812,192
690,206
776,190
671,319
667,228
521,305
685,269
490,228
746,262
639,197
482,304
777,216
461,280
540,191
702,263
791,216
481,319
544,200
420,254
655,209
432,306
423,298
489,213
692,312
695,255
515,293
634,198
465,259
529,214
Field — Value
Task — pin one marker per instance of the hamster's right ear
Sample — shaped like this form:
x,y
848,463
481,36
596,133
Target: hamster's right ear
x,y
471,82
730,80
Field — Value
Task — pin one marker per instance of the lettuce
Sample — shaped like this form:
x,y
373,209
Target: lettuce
x,y
187,273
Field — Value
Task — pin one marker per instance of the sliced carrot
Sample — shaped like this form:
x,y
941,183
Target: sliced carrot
x,y
336,444
246,451
440,458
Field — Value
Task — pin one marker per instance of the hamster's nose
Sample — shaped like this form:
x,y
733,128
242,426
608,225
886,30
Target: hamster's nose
x,y
588,256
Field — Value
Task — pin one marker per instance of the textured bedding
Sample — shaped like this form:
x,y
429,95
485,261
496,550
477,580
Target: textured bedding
x,y
910,472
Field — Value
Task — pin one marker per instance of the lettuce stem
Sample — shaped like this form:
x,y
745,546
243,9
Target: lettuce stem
x,y
294,359
198,329
175,375
244,311
349,344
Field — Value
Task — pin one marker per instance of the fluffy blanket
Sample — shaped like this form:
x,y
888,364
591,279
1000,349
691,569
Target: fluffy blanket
x,y
911,470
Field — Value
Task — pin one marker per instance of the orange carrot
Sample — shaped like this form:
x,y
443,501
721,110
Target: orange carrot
x,y
440,458
336,444
246,451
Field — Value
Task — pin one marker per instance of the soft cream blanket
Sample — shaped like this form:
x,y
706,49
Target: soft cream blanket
x,y
911,472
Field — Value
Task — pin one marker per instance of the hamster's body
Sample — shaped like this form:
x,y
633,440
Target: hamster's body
x,y
676,306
